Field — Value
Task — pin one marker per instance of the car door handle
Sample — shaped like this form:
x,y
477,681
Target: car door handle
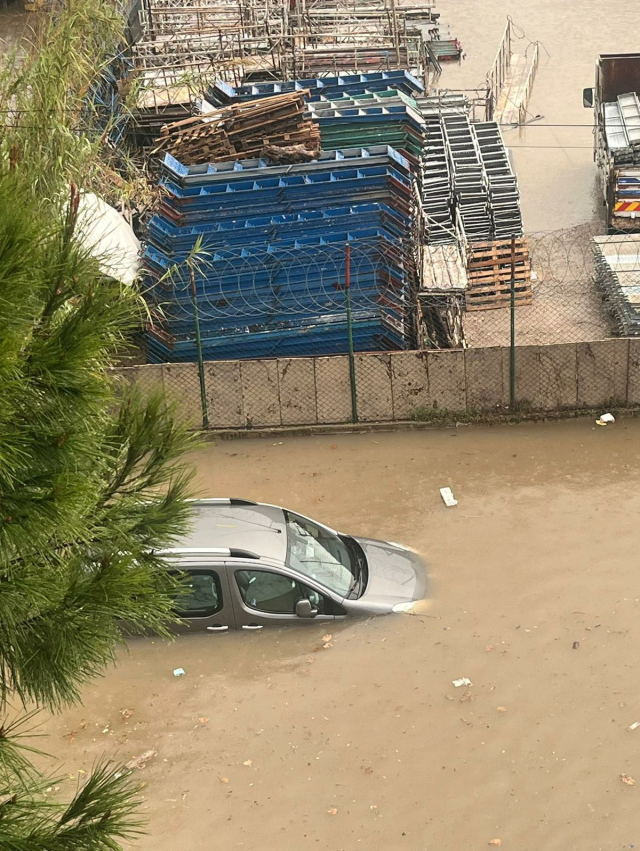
x,y
217,628
252,626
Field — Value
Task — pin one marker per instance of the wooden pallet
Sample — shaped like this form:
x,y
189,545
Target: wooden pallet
x,y
498,295
499,250
241,131
521,273
490,269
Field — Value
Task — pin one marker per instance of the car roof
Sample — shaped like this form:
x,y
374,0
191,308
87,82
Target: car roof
x,y
235,525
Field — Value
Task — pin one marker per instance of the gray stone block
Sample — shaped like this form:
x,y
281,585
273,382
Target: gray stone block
x,y
373,384
602,372
182,388
487,389
546,376
147,378
633,388
223,385
260,392
333,393
297,383
409,383
447,383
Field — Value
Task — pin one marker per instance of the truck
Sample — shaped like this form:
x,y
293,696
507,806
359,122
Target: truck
x,y
616,105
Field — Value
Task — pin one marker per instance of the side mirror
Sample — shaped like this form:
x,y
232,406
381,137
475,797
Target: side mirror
x,y
304,609
587,98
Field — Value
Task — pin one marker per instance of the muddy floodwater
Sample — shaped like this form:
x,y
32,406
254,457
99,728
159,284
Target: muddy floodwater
x,y
271,740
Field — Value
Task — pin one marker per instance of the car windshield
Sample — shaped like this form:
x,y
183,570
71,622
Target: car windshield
x,y
323,555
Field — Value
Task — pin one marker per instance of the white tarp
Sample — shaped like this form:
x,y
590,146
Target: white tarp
x,y
109,237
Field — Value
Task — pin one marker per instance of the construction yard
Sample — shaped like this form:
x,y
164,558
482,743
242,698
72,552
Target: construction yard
x,y
388,127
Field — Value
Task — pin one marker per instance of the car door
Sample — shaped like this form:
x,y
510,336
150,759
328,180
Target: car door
x,y
207,605
265,596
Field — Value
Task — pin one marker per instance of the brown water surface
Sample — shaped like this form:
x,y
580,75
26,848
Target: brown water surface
x,y
540,555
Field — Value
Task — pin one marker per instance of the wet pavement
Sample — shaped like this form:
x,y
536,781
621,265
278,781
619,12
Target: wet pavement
x,y
554,163
271,740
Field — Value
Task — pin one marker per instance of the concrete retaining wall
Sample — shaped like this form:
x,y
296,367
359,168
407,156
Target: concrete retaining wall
x,y
395,386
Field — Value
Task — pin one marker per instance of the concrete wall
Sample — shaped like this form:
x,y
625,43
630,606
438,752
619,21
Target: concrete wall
x,y
395,386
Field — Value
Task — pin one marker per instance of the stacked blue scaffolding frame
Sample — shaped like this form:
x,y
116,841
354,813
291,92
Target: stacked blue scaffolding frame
x,y
258,252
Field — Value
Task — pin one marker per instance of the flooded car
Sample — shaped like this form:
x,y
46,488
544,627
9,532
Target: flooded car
x,y
252,565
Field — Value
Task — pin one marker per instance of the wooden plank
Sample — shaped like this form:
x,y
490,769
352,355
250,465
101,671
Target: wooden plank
x,y
498,251
491,293
491,266
498,277
497,268
500,256
498,286
492,289
504,275
497,243
497,264
241,130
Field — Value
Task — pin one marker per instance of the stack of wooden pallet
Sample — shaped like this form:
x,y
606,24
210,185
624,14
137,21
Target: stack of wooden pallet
x,y
490,269
241,131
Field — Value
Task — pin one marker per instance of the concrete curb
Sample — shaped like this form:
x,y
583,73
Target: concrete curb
x,y
409,425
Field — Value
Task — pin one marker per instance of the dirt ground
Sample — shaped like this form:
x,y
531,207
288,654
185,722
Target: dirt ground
x,y
270,740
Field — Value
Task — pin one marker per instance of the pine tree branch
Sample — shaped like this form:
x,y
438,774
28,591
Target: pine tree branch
x,y
86,495
101,814
17,771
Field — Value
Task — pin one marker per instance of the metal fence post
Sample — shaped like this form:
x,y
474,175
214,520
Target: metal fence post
x,y
512,348
196,315
352,360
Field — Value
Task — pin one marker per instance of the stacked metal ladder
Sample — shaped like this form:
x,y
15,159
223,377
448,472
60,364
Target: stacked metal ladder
x,y
469,181
622,129
629,106
504,197
437,197
614,128
436,185
617,276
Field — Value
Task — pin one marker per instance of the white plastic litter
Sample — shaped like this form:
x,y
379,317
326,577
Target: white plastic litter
x,y
605,419
635,725
179,672
447,497
109,237
463,681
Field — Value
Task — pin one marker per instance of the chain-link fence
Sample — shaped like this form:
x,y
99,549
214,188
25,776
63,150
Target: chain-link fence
x,y
556,298
311,296
543,323
530,295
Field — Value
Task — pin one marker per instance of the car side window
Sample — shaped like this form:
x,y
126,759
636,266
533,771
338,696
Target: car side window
x,y
275,593
203,596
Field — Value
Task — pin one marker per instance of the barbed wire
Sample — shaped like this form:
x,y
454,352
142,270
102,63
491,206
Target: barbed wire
x,y
286,289
299,285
